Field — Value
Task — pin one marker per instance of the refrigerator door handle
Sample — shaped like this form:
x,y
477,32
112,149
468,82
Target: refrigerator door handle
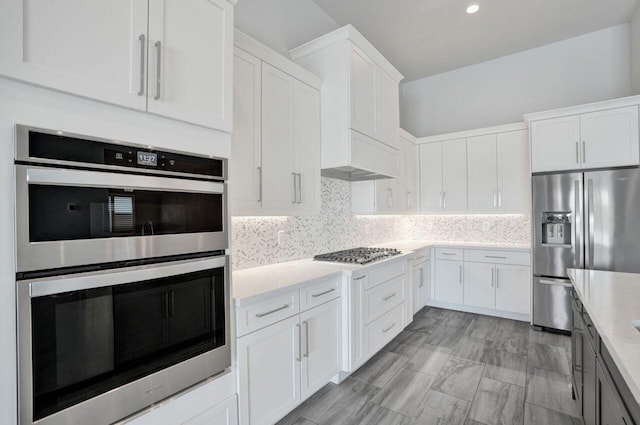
x,y
578,226
590,225
554,282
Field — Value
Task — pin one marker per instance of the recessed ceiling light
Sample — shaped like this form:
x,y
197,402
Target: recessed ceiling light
x,y
473,8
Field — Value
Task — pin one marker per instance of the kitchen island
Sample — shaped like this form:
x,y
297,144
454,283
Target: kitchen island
x,y
606,346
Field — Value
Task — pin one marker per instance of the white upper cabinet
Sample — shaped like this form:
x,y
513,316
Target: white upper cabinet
x,y
443,176
591,136
279,180
245,172
163,56
483,171
514,178
275,148
409,180
430,170
610,138
190,61
360,105
498,172
454,175
555,144
307,148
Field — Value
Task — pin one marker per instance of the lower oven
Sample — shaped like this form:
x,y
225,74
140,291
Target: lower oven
x,y
95,347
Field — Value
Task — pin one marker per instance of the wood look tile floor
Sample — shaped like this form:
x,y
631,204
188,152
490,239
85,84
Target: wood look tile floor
x,y
454,368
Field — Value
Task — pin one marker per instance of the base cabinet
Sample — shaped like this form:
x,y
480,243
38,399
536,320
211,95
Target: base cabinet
x,y
421,279
483,281
599,395
268,363
448,284
284,363
226,413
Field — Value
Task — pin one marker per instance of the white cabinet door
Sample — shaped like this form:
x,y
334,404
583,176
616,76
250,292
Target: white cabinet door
x,y
92,49
246,157
225,413
421,288
307,148
513,292
454,175
408,196
388,110
448,284
278,173
555,144
269,372
610,138
482,174
364,117
387,196
514,179
431,177
190,61
321,346
479,285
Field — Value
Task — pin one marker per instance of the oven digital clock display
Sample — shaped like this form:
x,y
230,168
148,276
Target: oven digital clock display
x,y
148,158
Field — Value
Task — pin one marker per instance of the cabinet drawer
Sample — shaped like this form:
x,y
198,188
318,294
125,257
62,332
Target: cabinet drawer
x,y
421,256
498,257
256,316
319,293
382,330
449,254
382,298
384,272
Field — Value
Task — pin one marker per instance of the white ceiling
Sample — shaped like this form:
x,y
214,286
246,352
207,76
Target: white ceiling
x,y
427,37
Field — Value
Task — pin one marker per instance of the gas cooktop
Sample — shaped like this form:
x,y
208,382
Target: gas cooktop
x,y
358,255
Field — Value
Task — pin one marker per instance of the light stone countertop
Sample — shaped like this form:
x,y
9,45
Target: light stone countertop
x,y
257,283
612,300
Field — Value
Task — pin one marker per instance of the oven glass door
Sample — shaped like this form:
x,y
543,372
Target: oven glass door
x,y
86,342
68,217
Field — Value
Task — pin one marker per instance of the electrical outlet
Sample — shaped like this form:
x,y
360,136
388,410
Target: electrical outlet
x,y
281,238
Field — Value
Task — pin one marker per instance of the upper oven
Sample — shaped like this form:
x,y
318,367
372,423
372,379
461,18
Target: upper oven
x,y
84,200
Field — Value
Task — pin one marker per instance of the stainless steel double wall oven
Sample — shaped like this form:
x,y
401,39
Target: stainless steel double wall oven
x,y
122,275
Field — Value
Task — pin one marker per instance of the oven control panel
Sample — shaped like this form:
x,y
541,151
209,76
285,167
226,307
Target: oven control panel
x,y
85,151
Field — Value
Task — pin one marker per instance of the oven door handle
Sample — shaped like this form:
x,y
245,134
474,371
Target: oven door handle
x,y
130,182
115,277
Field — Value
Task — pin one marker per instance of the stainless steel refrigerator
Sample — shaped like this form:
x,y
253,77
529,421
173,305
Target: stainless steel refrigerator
x,y
585,220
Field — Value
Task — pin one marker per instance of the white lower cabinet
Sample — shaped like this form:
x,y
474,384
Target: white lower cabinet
x,y
268,362
479,285
321,351
421,282
513,291
448,284
484,280
282,364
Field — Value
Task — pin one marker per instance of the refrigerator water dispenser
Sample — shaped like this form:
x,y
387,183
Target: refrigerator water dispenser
x,y
556,228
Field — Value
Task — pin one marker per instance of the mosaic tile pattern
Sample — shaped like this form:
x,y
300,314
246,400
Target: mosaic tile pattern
x,y
255,239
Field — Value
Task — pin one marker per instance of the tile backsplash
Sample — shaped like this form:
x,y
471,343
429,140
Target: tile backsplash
x,y
255,239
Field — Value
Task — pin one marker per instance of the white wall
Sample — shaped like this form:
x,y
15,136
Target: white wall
x,y
635,51
584,69
282,24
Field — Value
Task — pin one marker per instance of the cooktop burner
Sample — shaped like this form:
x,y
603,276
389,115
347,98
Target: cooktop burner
x,y
358,255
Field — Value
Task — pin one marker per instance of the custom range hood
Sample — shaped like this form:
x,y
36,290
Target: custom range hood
x,y
359,103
